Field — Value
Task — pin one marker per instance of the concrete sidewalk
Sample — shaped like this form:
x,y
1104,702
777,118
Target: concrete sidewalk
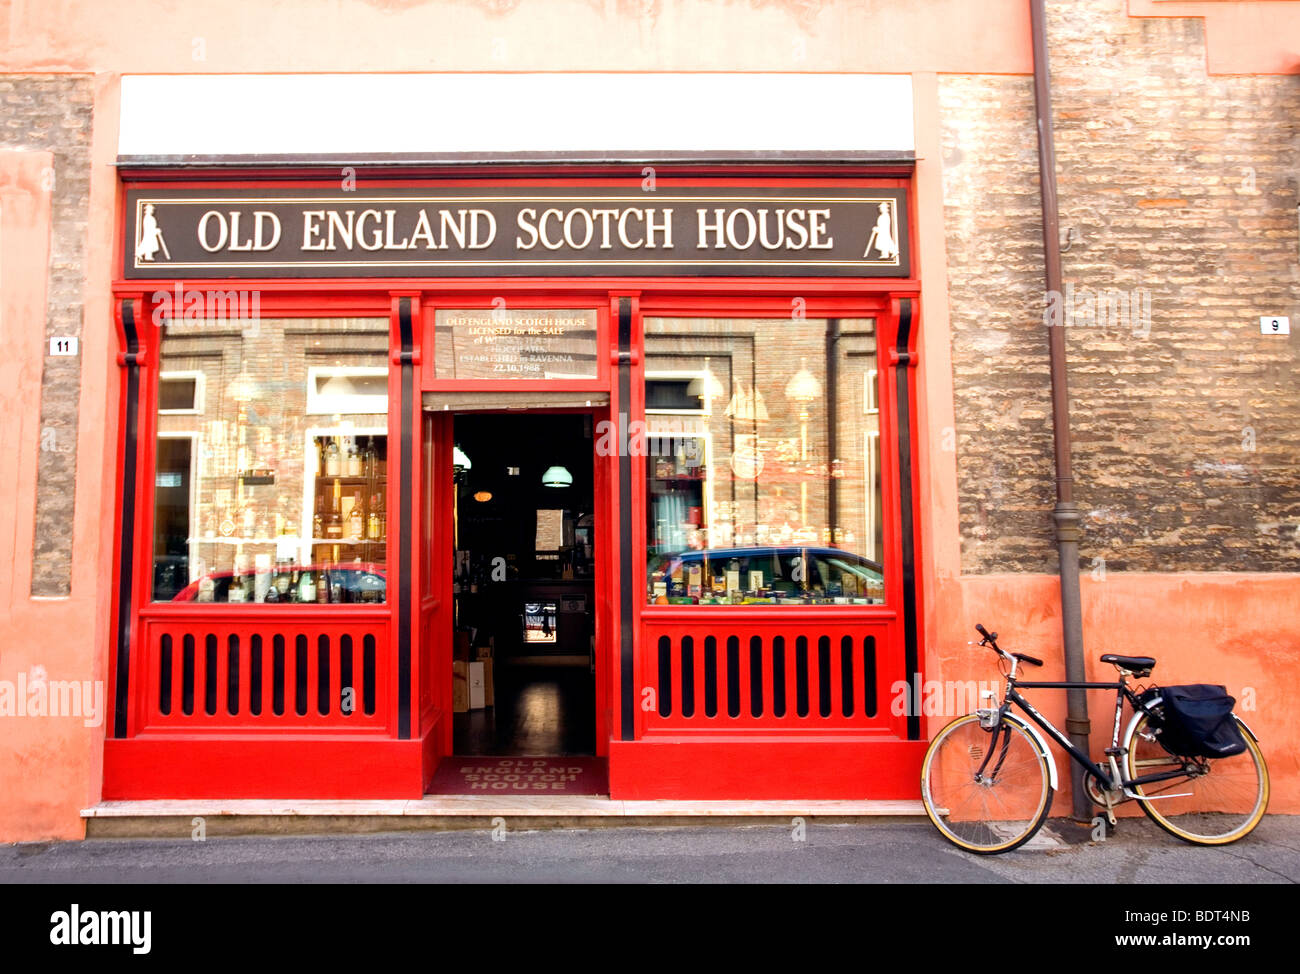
x,y
880,852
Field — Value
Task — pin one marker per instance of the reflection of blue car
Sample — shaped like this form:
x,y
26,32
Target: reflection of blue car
x,y
769,574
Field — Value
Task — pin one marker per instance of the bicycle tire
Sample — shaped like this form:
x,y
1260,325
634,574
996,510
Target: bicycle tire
x,y
962,808
1226,802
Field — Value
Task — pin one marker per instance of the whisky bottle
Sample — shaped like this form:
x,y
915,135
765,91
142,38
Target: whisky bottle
x,y
356,519
282,580
334,526
332,458
369,458
374,523
307,587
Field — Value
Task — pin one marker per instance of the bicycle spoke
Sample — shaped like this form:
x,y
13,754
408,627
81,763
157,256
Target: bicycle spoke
x,y
1005,806
1216,801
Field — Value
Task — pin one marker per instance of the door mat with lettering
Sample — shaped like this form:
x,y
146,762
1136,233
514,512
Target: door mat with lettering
x,y
520,776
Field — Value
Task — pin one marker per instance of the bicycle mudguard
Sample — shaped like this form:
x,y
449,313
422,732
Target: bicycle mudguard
x,y
1247,728
1037,735
1151,699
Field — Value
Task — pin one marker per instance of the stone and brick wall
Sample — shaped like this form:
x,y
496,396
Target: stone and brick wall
x,y
1178,202
53,114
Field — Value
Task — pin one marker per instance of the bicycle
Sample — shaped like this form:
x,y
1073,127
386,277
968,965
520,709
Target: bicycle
x,y
988,778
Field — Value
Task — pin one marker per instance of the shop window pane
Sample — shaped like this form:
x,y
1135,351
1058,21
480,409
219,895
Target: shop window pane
x,y
272,456
763,462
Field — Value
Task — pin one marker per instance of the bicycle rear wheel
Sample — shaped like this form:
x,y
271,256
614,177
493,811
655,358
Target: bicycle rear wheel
x,y
1217,801
995,811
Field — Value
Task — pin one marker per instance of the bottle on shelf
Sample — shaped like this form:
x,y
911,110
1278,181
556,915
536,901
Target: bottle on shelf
x,y
307,586
356,519
237,592
323,584
282,581
318,519
334,524
332,458
206,587
369,459
353,468
375,520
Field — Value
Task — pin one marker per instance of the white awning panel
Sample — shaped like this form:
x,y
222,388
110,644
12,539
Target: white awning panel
x,y
486,116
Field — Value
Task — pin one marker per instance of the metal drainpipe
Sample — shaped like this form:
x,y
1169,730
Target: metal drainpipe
x,y
1066,512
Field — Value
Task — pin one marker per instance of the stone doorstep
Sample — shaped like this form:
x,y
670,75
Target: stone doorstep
x,y
478,806
177,819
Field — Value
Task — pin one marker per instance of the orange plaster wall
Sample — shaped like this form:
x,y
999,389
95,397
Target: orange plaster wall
x,y
145,36
50,767
1261,37
44,760
1234,629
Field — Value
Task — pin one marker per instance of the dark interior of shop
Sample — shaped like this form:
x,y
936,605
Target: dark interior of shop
x,y
523,584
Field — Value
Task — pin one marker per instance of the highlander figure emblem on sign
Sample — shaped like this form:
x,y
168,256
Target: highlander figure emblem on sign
x,y
151,238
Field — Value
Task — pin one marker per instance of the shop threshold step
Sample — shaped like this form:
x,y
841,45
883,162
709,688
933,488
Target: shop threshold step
x,y
261,816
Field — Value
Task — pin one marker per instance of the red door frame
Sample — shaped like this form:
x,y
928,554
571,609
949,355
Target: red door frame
x,y
424,700
444,547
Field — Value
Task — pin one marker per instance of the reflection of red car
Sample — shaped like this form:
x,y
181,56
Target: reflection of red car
x,y
348,583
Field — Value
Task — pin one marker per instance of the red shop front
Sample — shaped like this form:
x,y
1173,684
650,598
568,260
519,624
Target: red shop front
x,y
660,440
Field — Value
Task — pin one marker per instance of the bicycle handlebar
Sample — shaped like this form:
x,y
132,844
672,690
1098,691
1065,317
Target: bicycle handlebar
x,y
991,639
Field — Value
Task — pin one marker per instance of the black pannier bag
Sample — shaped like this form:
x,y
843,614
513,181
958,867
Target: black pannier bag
x,y
1198,722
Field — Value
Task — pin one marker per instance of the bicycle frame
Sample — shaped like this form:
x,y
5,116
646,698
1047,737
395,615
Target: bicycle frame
x,y
1111,779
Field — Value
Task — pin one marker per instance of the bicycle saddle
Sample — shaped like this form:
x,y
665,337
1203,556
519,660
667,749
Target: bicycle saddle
x,y
1141,665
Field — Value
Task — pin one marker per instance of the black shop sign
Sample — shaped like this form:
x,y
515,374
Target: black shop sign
x,y
424,232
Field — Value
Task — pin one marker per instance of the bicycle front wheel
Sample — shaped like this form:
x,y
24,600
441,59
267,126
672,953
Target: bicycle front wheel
x,y
986,806
1216,801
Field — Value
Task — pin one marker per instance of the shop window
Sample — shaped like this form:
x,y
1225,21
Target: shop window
x,y
271,473
763,462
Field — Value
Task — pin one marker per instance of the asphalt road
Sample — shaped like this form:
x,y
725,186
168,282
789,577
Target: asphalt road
x,y
877,853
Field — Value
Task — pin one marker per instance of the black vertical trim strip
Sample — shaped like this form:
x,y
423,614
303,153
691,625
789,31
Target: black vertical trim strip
x,y
903,385
628,697
404,541
126,559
